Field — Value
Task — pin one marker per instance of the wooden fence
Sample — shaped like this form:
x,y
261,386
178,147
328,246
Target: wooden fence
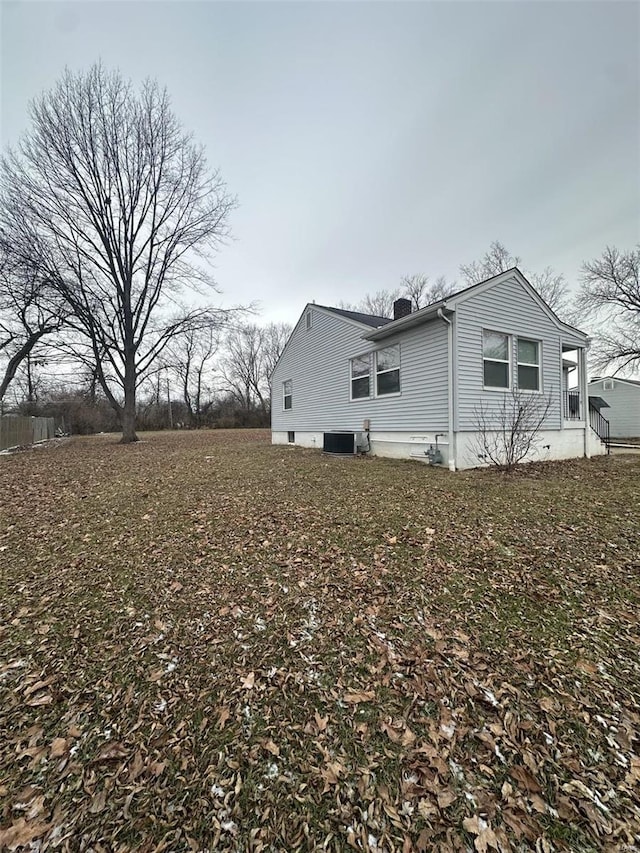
x,y
16,430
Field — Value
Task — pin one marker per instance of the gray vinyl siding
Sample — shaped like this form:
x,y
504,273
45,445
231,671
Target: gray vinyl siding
x,y
623,413
509,308
317,360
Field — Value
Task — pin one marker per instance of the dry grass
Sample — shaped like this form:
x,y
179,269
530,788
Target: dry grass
x,y
212,643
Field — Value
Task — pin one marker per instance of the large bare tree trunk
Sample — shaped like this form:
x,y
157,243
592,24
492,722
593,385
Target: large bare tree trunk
x,y
128,415
129,423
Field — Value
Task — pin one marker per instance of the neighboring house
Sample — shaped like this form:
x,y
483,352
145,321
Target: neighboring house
x,y
420,379
623,404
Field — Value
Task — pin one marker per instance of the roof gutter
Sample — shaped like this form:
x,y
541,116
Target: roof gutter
x,y
452,435
416,318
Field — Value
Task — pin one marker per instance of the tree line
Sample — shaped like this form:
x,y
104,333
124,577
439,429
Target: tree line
x,y
110,218
209,377
607,300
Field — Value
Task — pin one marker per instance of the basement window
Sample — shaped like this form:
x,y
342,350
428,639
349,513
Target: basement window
x,y
291,437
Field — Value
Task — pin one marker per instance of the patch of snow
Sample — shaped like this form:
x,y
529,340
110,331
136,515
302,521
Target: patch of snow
x,y
217,791
600,804
456,770
499,754
448,729
490,697
621,759
272,770
160,706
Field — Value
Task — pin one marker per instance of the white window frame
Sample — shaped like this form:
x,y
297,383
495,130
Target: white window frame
x,y
520,364
353,399
506,361
377,372
286,408
309,319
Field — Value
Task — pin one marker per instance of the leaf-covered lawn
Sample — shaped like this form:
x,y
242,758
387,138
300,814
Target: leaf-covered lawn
x,y
211,643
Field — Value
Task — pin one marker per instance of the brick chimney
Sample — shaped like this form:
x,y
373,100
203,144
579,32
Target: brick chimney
x,y
401,308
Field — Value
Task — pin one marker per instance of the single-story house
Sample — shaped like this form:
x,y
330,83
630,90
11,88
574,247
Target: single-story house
x,y
623,404
426,383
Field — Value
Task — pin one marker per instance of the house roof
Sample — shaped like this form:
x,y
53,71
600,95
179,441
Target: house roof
x,y
448,304
635,382
367,319
358,317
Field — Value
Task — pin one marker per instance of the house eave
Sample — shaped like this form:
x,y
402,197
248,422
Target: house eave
x,y
417,318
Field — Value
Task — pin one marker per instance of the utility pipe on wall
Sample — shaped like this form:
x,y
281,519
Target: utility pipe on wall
x,y
452,446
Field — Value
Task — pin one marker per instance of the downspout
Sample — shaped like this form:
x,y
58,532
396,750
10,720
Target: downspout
x,y
584,393
452,447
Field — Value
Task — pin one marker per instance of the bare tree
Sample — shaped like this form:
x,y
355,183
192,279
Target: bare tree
x,y
418,288
251,355
554,289
274,339
30,311
610,297
422,292
508,432
123,206
379,304
551,286
494,261
190,357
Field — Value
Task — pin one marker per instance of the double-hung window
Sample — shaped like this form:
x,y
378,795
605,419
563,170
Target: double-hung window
x,y
287,394
495,354
388,370
528,365
360,377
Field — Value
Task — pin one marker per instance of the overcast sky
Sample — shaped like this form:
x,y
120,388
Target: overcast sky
x,y
366,141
